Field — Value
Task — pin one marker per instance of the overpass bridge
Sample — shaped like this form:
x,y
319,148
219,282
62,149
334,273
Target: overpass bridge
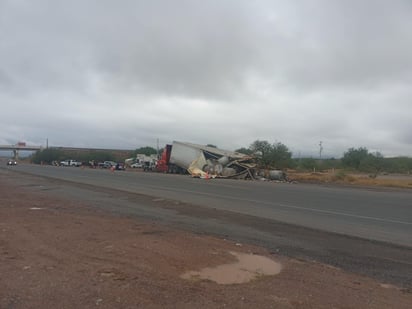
x,y
20,147
74,150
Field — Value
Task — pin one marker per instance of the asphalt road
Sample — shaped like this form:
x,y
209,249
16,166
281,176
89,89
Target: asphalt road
x,y
375,214
366,231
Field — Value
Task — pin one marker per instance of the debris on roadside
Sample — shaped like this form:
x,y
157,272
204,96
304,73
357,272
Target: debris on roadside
x,y
208,162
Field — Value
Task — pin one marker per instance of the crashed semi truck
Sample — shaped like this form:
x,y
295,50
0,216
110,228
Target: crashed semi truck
x,y
204,161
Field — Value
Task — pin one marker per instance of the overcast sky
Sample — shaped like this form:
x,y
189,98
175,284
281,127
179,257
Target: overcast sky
x,y
122,74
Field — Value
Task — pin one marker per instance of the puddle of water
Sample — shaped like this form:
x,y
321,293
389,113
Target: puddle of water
x,y
247,268
35,208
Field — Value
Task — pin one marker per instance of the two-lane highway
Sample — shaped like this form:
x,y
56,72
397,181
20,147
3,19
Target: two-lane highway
x,y
378,214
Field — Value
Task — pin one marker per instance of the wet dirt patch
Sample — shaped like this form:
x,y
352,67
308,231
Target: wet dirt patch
x,y
247,268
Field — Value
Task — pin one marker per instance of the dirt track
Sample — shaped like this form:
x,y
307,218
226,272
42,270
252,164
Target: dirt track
x,y
57,253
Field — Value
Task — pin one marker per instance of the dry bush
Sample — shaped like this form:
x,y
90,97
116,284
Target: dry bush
x,y
341,177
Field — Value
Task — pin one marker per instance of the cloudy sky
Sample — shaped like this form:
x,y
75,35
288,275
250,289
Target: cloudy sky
x,y
122,74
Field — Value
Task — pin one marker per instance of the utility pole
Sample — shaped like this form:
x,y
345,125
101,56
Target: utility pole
x,y
320,150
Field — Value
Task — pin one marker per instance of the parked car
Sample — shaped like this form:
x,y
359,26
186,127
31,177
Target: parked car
x,y
11,162
109,164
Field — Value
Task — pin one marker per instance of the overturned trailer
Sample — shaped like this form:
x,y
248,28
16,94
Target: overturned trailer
x,y
204,161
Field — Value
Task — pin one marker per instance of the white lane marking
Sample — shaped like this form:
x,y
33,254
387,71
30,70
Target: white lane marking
x,y
290,206
283,205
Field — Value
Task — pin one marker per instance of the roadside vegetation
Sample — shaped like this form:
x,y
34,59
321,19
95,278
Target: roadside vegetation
x,y
148,151
358,166
50,155
354,160
269,155
351,178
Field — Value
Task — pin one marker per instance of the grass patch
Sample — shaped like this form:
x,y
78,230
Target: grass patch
x,y
342,177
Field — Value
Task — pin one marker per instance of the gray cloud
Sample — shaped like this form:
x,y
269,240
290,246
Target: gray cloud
x,y
223,72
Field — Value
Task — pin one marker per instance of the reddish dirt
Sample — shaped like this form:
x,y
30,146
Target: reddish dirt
x,y
55,253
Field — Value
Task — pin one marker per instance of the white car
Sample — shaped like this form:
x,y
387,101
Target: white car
x,y
70,163
109,164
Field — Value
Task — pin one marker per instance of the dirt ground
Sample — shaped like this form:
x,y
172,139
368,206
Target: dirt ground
x,y
55,253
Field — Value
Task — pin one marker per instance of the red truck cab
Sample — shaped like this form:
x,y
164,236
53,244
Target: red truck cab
x,y
163,162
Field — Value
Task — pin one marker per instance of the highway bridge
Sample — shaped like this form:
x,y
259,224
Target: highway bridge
x,y
23,147
20,147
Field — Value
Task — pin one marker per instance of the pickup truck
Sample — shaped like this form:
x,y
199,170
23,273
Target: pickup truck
x,y
70,163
